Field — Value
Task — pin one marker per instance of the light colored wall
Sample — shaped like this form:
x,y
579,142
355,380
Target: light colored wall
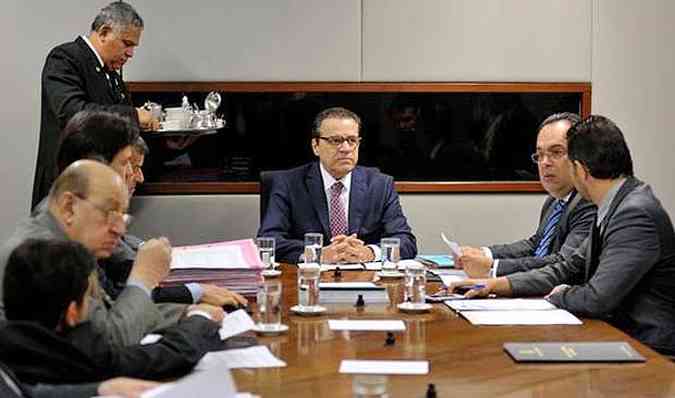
x,y
622,47
634,84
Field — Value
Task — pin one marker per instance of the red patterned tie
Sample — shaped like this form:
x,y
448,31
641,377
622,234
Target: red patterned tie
x,y
338,220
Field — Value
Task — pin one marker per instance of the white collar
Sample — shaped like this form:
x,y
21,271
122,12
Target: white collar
x,y
329,180
100,60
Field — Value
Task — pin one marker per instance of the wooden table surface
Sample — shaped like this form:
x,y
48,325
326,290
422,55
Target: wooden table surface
x,y
465,360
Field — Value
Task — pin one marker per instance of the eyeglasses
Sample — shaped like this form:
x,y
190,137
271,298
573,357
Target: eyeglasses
x,y
555,154
336,140
112,216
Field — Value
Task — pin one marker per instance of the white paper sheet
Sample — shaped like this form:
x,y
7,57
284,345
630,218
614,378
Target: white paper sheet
x,y
551,317
366,325
348,285
455,249
212,383
215,257
500,305
252,357
385,367
377,266
235,323
448,279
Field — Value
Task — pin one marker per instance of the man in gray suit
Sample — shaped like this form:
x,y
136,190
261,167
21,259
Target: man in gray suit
x,y
88,204
564,221
624,272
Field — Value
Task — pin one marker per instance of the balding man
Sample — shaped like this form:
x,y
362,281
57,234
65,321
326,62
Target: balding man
x,y
88,204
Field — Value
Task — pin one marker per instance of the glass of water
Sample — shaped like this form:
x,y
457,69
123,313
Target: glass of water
x,y
266,251
269,305
415,284
308,286
390,254
369,386
313,245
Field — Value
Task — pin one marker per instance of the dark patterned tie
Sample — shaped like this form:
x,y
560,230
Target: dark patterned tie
x,y
338,219
543,248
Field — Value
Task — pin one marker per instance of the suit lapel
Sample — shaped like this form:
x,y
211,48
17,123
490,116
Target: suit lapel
x,y
318,196
357,200
93,68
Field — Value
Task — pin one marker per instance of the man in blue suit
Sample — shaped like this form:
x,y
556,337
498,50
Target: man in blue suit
x,y
352,206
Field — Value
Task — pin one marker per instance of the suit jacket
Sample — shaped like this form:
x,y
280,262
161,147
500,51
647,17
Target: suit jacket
x,y
83,354
126,320
297,205
633,286
573,227
72,80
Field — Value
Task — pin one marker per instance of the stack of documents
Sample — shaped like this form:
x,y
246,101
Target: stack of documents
x,y
234,265
258,356
348,293
512,312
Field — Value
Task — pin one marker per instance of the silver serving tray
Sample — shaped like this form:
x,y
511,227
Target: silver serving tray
x,y
220,124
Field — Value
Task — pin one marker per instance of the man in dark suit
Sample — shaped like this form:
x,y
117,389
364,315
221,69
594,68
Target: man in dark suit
x,y
115,141
624,272
352,206
84,74
565,219
51,341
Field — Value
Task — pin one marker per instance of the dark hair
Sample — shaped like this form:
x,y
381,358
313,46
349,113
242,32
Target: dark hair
x,y
599,145
572,118
94,135
119,16
333,113
43,277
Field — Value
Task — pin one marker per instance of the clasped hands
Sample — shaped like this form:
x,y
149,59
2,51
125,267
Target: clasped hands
x,y
346,249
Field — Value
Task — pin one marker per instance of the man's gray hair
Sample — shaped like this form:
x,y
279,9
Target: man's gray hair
x,y
119,16
141,146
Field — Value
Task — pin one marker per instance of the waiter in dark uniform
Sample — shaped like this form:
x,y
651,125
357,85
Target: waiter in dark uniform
x,y
85,74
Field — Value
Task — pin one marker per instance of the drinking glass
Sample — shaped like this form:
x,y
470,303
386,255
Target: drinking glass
x,y
390,254
266,251
415,284
308,286
313,245
269,305
369,386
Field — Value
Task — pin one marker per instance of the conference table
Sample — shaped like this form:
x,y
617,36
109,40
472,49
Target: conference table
x,y
464,360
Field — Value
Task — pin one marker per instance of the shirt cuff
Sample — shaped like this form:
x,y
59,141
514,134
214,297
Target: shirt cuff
x,y
140,285
488,253
377,252
493,270
196,290
199,313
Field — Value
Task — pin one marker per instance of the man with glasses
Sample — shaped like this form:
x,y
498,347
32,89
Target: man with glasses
x,y
565,219
352,206
88,204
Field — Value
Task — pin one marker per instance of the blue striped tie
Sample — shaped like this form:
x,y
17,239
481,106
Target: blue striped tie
x,y
550,229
